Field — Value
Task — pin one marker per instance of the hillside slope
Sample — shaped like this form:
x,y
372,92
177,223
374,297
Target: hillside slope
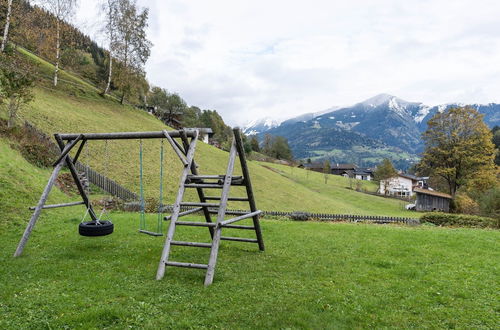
x,y
78,108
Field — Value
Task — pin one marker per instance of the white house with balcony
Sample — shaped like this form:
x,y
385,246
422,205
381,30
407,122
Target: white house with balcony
x,y
402,185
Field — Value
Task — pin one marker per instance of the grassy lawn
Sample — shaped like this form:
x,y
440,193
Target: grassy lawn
x,y
312,275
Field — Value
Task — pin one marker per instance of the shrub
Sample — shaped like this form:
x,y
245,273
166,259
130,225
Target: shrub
x,y
489,203
300,216
465,204
460,220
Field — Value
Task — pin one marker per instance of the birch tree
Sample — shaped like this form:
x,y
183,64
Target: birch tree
x,y
132,46
62,10
110,7
6,26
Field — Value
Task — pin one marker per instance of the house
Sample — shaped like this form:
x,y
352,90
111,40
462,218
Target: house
x,y
402,185
430,200
363,174
346,170
317,167
206,134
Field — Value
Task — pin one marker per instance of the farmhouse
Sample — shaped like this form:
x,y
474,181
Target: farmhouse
x,y
317,167
430,200
363,174
402,185
346,170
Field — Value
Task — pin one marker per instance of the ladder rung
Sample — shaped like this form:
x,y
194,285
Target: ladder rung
x,y
151,233
186,265
234,199
239,239
194,244
202,177
181,214
203,185
238,227
200,204
229,212
196,224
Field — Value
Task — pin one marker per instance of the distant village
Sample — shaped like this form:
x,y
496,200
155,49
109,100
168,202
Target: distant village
x,y
403,185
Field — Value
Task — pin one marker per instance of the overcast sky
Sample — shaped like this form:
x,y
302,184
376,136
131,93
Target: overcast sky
x,y
252,59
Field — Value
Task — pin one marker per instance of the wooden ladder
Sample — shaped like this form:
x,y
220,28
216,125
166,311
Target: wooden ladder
x,y
191,179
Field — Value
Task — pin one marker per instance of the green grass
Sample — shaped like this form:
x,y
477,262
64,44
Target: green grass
x,y
81,109
312,275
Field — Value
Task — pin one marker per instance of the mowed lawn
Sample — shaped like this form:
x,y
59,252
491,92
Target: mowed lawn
x,y
312,275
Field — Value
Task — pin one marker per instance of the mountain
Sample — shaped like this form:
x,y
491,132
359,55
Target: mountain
x,y
258,126
381,126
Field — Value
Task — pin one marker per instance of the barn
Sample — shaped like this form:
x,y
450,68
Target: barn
x,y
430,200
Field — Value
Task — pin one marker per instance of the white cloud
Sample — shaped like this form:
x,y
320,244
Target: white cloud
x,y
279,58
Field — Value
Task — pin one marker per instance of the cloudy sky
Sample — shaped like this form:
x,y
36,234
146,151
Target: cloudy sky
x,y
279,58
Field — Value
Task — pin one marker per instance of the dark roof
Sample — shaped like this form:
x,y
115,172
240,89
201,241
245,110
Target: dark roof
x,y
432,193
411,177
313,165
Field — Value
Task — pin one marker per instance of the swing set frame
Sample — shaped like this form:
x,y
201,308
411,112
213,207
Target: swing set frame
x,y
66,143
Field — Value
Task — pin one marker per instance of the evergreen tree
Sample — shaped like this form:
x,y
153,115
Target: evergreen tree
x,y
254,143
385,170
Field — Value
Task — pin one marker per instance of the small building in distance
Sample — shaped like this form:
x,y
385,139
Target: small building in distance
x,y
402,185
346,170
431,200
363,173
316,166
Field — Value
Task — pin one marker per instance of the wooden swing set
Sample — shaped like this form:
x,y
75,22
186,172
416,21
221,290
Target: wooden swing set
x,y
189,178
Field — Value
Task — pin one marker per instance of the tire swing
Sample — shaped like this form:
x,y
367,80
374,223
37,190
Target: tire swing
x,y
97,227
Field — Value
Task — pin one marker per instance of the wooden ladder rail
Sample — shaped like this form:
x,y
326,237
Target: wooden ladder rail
x,y
177,206
212,261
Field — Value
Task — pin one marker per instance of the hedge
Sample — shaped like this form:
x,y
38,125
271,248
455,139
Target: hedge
x,y
461,220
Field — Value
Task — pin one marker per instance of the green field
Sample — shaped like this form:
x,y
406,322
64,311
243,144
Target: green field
x,y
312,275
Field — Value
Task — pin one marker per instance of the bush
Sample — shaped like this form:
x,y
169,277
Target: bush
x,y
465,204
489,203
300,216
460,220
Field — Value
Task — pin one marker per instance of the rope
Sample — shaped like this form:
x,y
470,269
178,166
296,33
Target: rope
x,y
159,226
142,219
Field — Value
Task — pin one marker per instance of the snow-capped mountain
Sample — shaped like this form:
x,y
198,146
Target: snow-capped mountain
x,y
383,121
259,126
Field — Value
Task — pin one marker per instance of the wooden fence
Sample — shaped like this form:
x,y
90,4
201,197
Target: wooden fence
x,y
322,216
105,183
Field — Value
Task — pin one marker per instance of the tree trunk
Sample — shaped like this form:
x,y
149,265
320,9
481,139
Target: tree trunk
x,y
6,28
108,84
58,45
12,112
122,99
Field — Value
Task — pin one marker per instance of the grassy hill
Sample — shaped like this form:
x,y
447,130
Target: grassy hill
x,y
75,106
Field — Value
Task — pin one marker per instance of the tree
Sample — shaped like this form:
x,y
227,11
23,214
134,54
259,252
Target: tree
x,y
280,148
16,81
267,144
6,26
326,170
110,7
62,10
385,170
132,46
496,141
254,143
458,147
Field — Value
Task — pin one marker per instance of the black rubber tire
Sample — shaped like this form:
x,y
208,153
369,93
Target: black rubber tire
x,y
92,228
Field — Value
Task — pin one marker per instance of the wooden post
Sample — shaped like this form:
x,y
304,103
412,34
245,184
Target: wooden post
x,y
248,186
209,277
76,179
201,194
39,207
